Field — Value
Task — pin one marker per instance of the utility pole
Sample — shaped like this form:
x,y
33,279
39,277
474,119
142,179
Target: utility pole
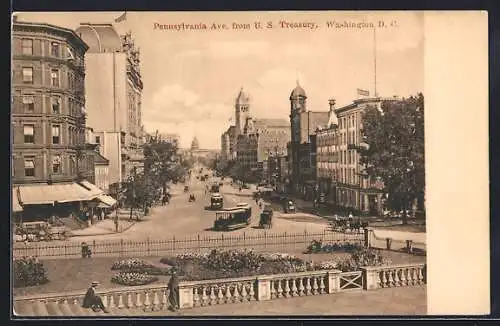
x,y
375,58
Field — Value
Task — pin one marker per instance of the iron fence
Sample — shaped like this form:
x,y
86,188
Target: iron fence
x,y
156,247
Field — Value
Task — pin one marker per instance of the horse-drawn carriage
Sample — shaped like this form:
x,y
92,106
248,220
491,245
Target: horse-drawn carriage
x,y
40,231
232,218
266,218
344,224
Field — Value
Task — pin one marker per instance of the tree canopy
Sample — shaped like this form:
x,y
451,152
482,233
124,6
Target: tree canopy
x,y
394,151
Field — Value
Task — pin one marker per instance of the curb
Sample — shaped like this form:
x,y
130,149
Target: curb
x,y
102,233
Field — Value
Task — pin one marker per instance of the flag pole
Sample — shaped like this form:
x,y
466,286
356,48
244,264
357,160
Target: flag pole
x,y
375,58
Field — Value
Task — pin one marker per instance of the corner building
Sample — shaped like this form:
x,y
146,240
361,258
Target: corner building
x,y
48,121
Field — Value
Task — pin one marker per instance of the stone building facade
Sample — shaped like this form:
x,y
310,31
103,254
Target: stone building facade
x,y
113,95
301,149
48,117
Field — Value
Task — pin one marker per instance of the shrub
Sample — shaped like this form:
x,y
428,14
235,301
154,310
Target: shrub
x,y
234,263
317,246
136,265
366,257
29,271
133,279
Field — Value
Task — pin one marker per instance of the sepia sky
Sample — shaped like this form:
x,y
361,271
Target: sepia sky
x,y
191,78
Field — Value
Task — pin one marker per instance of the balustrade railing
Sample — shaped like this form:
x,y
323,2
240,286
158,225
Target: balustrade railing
x,y
146,298
394,276
236,290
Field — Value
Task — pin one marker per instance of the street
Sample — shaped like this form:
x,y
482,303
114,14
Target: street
x,y
182,218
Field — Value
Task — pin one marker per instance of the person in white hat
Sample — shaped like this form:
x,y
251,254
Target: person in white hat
x,y
92,300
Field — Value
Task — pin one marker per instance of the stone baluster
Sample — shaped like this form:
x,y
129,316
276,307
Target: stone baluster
x,y
244,293
130,302
212,295
279,290
147,301
384,279
403,277
104,299
236,294
308,285
273,289
420,276
164,301
315,285
252,292
391,278
196,297
294,287
301,287
120,301
111,302
322,284
220,296
228,293
156,301
287,288
412,273
138,302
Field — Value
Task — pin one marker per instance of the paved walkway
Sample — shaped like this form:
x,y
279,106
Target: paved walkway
x,y
393,301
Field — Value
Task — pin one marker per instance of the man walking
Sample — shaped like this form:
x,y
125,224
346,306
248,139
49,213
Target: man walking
x,y
92,300
173,296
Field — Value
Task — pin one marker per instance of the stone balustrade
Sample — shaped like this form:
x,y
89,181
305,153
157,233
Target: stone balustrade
x,y
235,290
260,288
145,297
394,276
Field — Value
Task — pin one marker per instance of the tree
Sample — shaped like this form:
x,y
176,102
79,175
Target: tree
x,y
394,151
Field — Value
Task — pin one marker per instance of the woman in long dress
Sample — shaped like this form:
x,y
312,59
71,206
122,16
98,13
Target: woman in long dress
x,y
173,296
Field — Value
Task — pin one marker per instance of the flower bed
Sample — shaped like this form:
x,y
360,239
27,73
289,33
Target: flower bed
x,y
317,246
135,265
29,271
241,263
133,279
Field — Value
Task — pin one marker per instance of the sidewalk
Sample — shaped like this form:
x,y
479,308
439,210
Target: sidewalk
x,y
391,301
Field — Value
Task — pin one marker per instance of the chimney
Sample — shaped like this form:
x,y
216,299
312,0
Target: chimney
x,y
331,102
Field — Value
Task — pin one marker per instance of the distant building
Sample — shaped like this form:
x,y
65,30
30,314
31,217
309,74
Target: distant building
x,y
228,144
301,149
114,95
169,138
194,144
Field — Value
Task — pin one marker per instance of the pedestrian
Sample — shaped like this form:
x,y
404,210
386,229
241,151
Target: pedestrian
x,y
173,286
116,223
92,300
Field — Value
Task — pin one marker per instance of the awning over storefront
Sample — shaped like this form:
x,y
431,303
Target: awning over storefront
x,y
16,207
92,189
39,194
106,201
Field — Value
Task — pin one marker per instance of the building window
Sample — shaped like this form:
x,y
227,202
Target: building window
x,y
29,103
54,77
56,134
54,49
27,46
97,139
28,75
29,134
56,164
29,167
56,105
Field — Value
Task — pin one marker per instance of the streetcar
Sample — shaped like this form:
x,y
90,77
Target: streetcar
x,y
231,218
216,201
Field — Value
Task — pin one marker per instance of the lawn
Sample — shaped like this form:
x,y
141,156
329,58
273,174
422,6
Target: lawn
x,y
68,275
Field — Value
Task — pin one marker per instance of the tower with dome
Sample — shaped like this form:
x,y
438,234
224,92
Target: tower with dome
x,y
303,124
